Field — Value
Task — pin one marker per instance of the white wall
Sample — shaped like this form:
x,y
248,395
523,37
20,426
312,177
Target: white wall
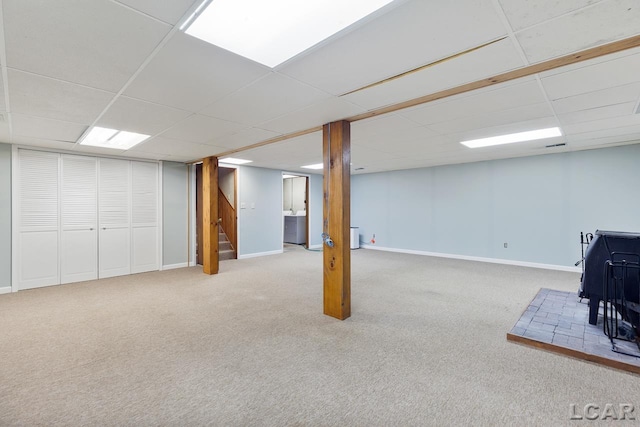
x,y
537,205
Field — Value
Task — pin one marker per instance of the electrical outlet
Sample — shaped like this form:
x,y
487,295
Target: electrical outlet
x,y
506,245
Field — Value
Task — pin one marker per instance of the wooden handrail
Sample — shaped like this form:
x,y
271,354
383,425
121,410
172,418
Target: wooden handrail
x,y
227,212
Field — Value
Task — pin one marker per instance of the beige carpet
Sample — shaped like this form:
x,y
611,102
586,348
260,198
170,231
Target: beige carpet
x,y
425,346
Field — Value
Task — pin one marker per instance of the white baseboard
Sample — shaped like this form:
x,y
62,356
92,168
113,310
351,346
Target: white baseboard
x,y
474,258
5,290
257,254
173,266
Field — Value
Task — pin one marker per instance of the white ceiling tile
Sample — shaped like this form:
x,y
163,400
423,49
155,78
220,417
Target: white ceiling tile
x,y
396,42
599,113
201,129
167,11
28,141
40,128
318,114
604,22
597,140
496,118
610,126
466,68
190,74
35,95
140,116
3,104
174,147
598,98
244,138
380,126
604,75
97,43
500,98
5,134
522,14
264,100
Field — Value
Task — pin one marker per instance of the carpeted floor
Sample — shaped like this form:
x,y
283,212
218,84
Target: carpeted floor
x,y
249,347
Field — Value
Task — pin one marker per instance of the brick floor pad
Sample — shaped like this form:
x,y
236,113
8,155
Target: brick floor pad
x,y
558,321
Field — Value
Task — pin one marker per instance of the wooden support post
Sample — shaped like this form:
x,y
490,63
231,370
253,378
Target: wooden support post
x,y
210,215
337,217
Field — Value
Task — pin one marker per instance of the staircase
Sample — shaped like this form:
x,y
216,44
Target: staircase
x,y
225,248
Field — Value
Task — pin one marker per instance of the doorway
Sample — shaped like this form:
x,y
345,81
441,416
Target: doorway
x,y
227,212
295,209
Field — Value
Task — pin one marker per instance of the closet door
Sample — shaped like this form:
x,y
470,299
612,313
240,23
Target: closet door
x,y
144,227
114,206
38,219
79,219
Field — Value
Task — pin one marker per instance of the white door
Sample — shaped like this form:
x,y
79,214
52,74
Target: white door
x,y
144,227
79,219
38,219
114,206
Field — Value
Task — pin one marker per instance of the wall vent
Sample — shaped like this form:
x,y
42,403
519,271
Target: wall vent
x,y
562,144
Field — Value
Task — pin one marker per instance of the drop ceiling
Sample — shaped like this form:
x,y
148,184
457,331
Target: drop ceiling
x,y
68,65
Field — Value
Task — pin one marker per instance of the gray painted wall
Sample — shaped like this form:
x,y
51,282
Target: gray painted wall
x,y
5,215
260,227
315,210
174,213
537,205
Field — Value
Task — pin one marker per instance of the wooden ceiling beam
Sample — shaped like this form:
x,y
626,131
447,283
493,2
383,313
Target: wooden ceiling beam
x,y
529,70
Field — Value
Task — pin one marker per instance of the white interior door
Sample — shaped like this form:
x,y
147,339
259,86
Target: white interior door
x,y
38,219
144,227
79,219
114,201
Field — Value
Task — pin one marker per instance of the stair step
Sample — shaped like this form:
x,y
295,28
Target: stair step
x,y
226,254
222,237
223,246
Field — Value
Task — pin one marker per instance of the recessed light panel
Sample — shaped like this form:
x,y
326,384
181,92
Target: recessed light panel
x,y
271,32
234,161
112,138
513,137
316,166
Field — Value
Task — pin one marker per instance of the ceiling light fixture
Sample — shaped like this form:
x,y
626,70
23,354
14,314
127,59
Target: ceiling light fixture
x,y
112,138
234,161
513,137
271,32
316,166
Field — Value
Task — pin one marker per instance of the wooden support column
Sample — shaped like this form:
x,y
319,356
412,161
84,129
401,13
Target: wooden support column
x,y
210,215
337,217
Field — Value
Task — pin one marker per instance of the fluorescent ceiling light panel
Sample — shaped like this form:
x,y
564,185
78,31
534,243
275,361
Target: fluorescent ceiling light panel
x,y
271,32
316,166
234,161
112,138
513,137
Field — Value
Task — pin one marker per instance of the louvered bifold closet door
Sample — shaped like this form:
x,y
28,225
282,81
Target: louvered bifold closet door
x,y
38,219
114,206
79,219
144,227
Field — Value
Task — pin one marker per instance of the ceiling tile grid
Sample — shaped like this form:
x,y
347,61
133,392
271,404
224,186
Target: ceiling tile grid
x,y
100,45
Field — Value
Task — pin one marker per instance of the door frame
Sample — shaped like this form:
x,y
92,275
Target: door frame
x,y
193,218
308,205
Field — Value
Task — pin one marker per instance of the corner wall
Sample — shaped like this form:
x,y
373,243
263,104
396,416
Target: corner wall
x,y
175,202
536,205
5,216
